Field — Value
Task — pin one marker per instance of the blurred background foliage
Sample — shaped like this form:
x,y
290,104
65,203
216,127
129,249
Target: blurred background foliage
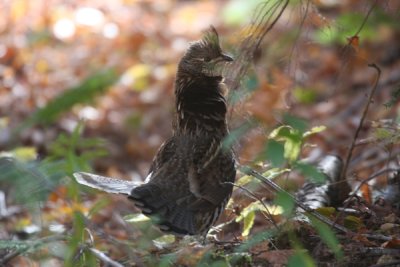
x,y
88,86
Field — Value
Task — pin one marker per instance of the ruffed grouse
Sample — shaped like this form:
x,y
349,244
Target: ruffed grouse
x,y
190,179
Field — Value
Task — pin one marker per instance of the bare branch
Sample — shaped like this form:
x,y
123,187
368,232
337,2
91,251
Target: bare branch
x,y
264,21
373,176
371,94
104,258
251,194
366,18
277,188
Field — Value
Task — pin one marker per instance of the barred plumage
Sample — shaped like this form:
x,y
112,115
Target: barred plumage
x,y
316,195
190,179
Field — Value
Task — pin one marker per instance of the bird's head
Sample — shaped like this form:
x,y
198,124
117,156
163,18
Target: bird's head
x,y
205,57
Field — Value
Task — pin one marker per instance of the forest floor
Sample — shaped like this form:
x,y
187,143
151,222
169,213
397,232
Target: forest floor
x,y
88,86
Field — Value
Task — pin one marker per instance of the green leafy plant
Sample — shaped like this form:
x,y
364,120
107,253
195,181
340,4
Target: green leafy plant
x,y
85,92
21,172
283,149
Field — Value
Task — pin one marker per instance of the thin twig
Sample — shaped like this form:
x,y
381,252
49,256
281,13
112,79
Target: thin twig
x,y
269,215
349,154
220,226
263,23
379,160
11,255
277,188
347,48
366,18
373,176
379,251
297,37
125,246
354,193
104,258
367,141
272,24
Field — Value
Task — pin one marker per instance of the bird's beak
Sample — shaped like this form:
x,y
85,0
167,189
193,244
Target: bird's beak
x,y
226,57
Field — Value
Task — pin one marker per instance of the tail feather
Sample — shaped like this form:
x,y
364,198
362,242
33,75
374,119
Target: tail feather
x,y
320,194
106,184
178,220
148,196
174,216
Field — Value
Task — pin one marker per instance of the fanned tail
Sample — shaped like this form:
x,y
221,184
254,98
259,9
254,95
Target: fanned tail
x,y
106,184
321,194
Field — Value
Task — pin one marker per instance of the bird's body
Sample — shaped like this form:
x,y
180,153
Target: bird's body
x,y
190,179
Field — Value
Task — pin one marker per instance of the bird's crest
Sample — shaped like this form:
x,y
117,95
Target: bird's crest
x,y
210,38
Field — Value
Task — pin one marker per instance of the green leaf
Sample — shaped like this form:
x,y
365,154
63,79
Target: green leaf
x,y
284,200
292,141
292,148
281,131
254,207
292,136
301,259
353,223
24,153
327,236
164,241
274,152
304,95
310,172
256,239
314,130
248,223
297,123
250,208
94,85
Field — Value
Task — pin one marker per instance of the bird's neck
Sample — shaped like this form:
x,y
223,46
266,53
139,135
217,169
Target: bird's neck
x,y
200,106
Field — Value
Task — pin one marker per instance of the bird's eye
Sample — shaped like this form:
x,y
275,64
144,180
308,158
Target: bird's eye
x,y
207,59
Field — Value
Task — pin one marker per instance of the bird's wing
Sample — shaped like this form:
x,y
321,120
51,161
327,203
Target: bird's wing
x,y
204,152
106,184
164,154
213,182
